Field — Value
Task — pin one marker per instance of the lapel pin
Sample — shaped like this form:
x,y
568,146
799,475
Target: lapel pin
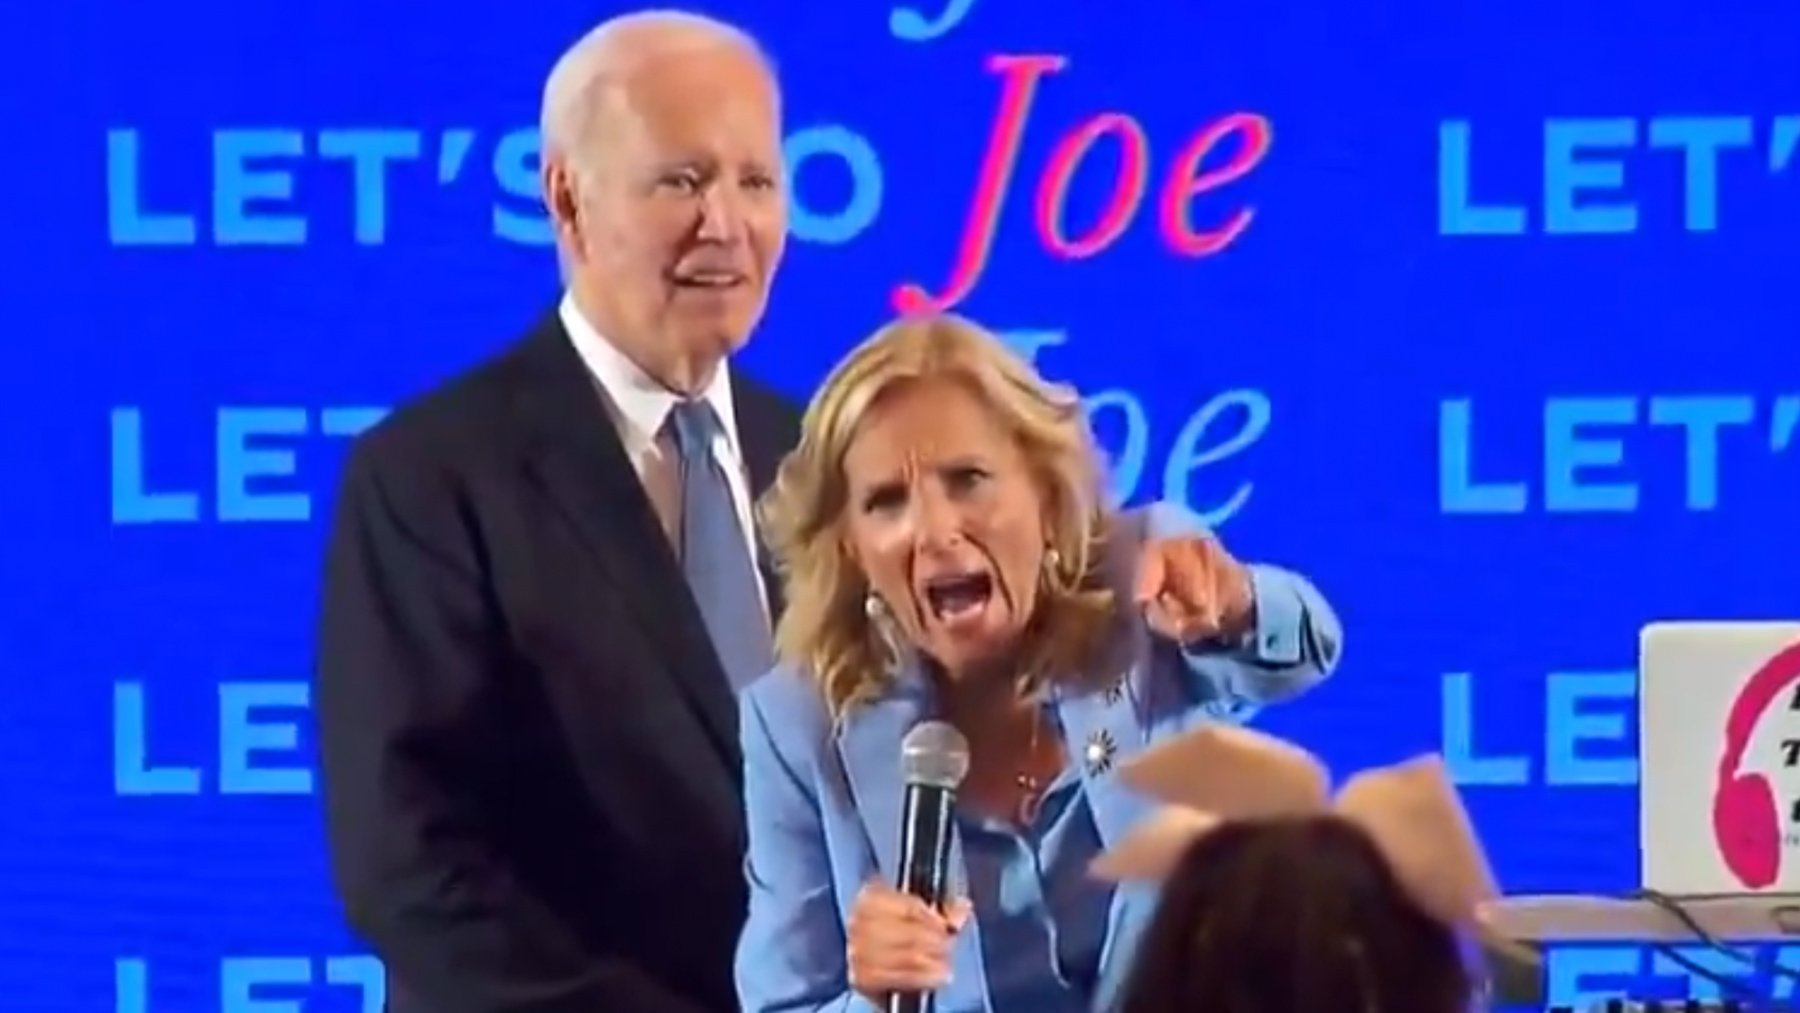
x,y
1099,752
1115,692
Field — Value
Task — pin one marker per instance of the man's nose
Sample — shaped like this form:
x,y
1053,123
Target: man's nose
x,y
721,217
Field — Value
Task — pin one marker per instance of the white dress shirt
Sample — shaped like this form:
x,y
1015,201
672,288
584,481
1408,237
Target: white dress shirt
x,y
639,406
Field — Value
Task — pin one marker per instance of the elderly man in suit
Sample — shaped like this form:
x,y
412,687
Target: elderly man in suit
x,y
543,584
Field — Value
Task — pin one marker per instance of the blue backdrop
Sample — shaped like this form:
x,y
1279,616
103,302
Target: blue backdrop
x,y
1486,319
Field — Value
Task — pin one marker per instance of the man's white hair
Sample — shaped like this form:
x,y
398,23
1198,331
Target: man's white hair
x,y
608,52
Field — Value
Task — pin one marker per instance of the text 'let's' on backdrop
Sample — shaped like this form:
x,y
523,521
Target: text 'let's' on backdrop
x,y
1489,320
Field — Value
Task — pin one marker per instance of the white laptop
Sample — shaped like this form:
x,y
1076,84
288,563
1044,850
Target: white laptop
x,y
1719,810
1719,756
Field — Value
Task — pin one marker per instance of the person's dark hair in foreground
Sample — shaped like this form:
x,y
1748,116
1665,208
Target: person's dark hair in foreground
x,y
1293,916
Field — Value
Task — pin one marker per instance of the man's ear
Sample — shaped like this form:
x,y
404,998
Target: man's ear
x,y
560,198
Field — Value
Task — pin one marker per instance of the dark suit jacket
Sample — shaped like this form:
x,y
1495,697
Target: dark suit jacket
x,y
530,756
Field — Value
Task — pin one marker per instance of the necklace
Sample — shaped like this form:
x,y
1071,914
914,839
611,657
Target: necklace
x,y
1030,788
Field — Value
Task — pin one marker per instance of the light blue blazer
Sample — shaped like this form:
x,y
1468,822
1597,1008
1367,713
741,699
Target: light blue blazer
x,y
823,803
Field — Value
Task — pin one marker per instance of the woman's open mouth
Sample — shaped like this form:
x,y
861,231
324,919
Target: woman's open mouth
x,y
956,598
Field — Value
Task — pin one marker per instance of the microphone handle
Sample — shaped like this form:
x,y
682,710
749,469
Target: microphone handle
x,y
925,842
912,1002
925,826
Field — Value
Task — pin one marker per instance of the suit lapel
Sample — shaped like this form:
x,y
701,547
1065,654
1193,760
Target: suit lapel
x,y
1105,727
767,429
578,459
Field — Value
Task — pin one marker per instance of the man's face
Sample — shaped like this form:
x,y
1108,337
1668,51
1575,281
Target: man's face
x,y
681,214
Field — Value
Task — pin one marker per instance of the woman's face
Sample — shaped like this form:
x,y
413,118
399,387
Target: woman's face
x,y
946,521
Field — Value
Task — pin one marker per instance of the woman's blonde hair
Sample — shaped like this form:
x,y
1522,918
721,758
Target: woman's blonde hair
x,y
826,625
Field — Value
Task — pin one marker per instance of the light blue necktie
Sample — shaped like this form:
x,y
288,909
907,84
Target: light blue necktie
x,y
715,557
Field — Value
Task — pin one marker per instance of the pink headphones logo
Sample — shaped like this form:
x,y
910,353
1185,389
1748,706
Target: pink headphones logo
x,y
1747,817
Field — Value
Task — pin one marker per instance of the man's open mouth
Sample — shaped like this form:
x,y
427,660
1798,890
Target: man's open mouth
x,y
714,281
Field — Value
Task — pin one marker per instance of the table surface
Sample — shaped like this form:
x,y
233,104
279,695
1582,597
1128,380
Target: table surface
x,y
1572,918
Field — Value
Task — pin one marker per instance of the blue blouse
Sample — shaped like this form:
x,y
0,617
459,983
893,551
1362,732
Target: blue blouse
x,y
1043,918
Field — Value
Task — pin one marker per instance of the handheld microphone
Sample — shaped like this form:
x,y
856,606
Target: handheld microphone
x,y
934,758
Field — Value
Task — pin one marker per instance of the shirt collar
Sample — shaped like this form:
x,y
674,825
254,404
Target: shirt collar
x,y
642,403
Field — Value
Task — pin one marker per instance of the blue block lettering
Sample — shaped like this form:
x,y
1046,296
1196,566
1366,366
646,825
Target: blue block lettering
x,y
1573,728
243,735
1457,719
369,153
1701,418
240,462
1458,491
1568,453
1568,175
1456,215
516,168
241,978
132,772
127,221
241,180
132,501
1700,139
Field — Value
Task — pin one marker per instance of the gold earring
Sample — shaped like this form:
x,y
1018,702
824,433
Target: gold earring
x,y
881,630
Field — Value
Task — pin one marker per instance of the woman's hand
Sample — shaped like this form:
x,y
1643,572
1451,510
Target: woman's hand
x,y
897,943
1191,590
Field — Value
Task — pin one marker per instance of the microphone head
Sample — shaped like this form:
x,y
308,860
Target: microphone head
x,y
934,754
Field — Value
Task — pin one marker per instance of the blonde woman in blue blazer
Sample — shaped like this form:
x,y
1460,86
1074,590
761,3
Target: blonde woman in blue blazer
x,y
947,554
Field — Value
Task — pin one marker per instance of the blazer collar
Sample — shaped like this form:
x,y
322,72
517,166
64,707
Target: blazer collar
x,y
1105,727
768,428
869,746
642,403
763,427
